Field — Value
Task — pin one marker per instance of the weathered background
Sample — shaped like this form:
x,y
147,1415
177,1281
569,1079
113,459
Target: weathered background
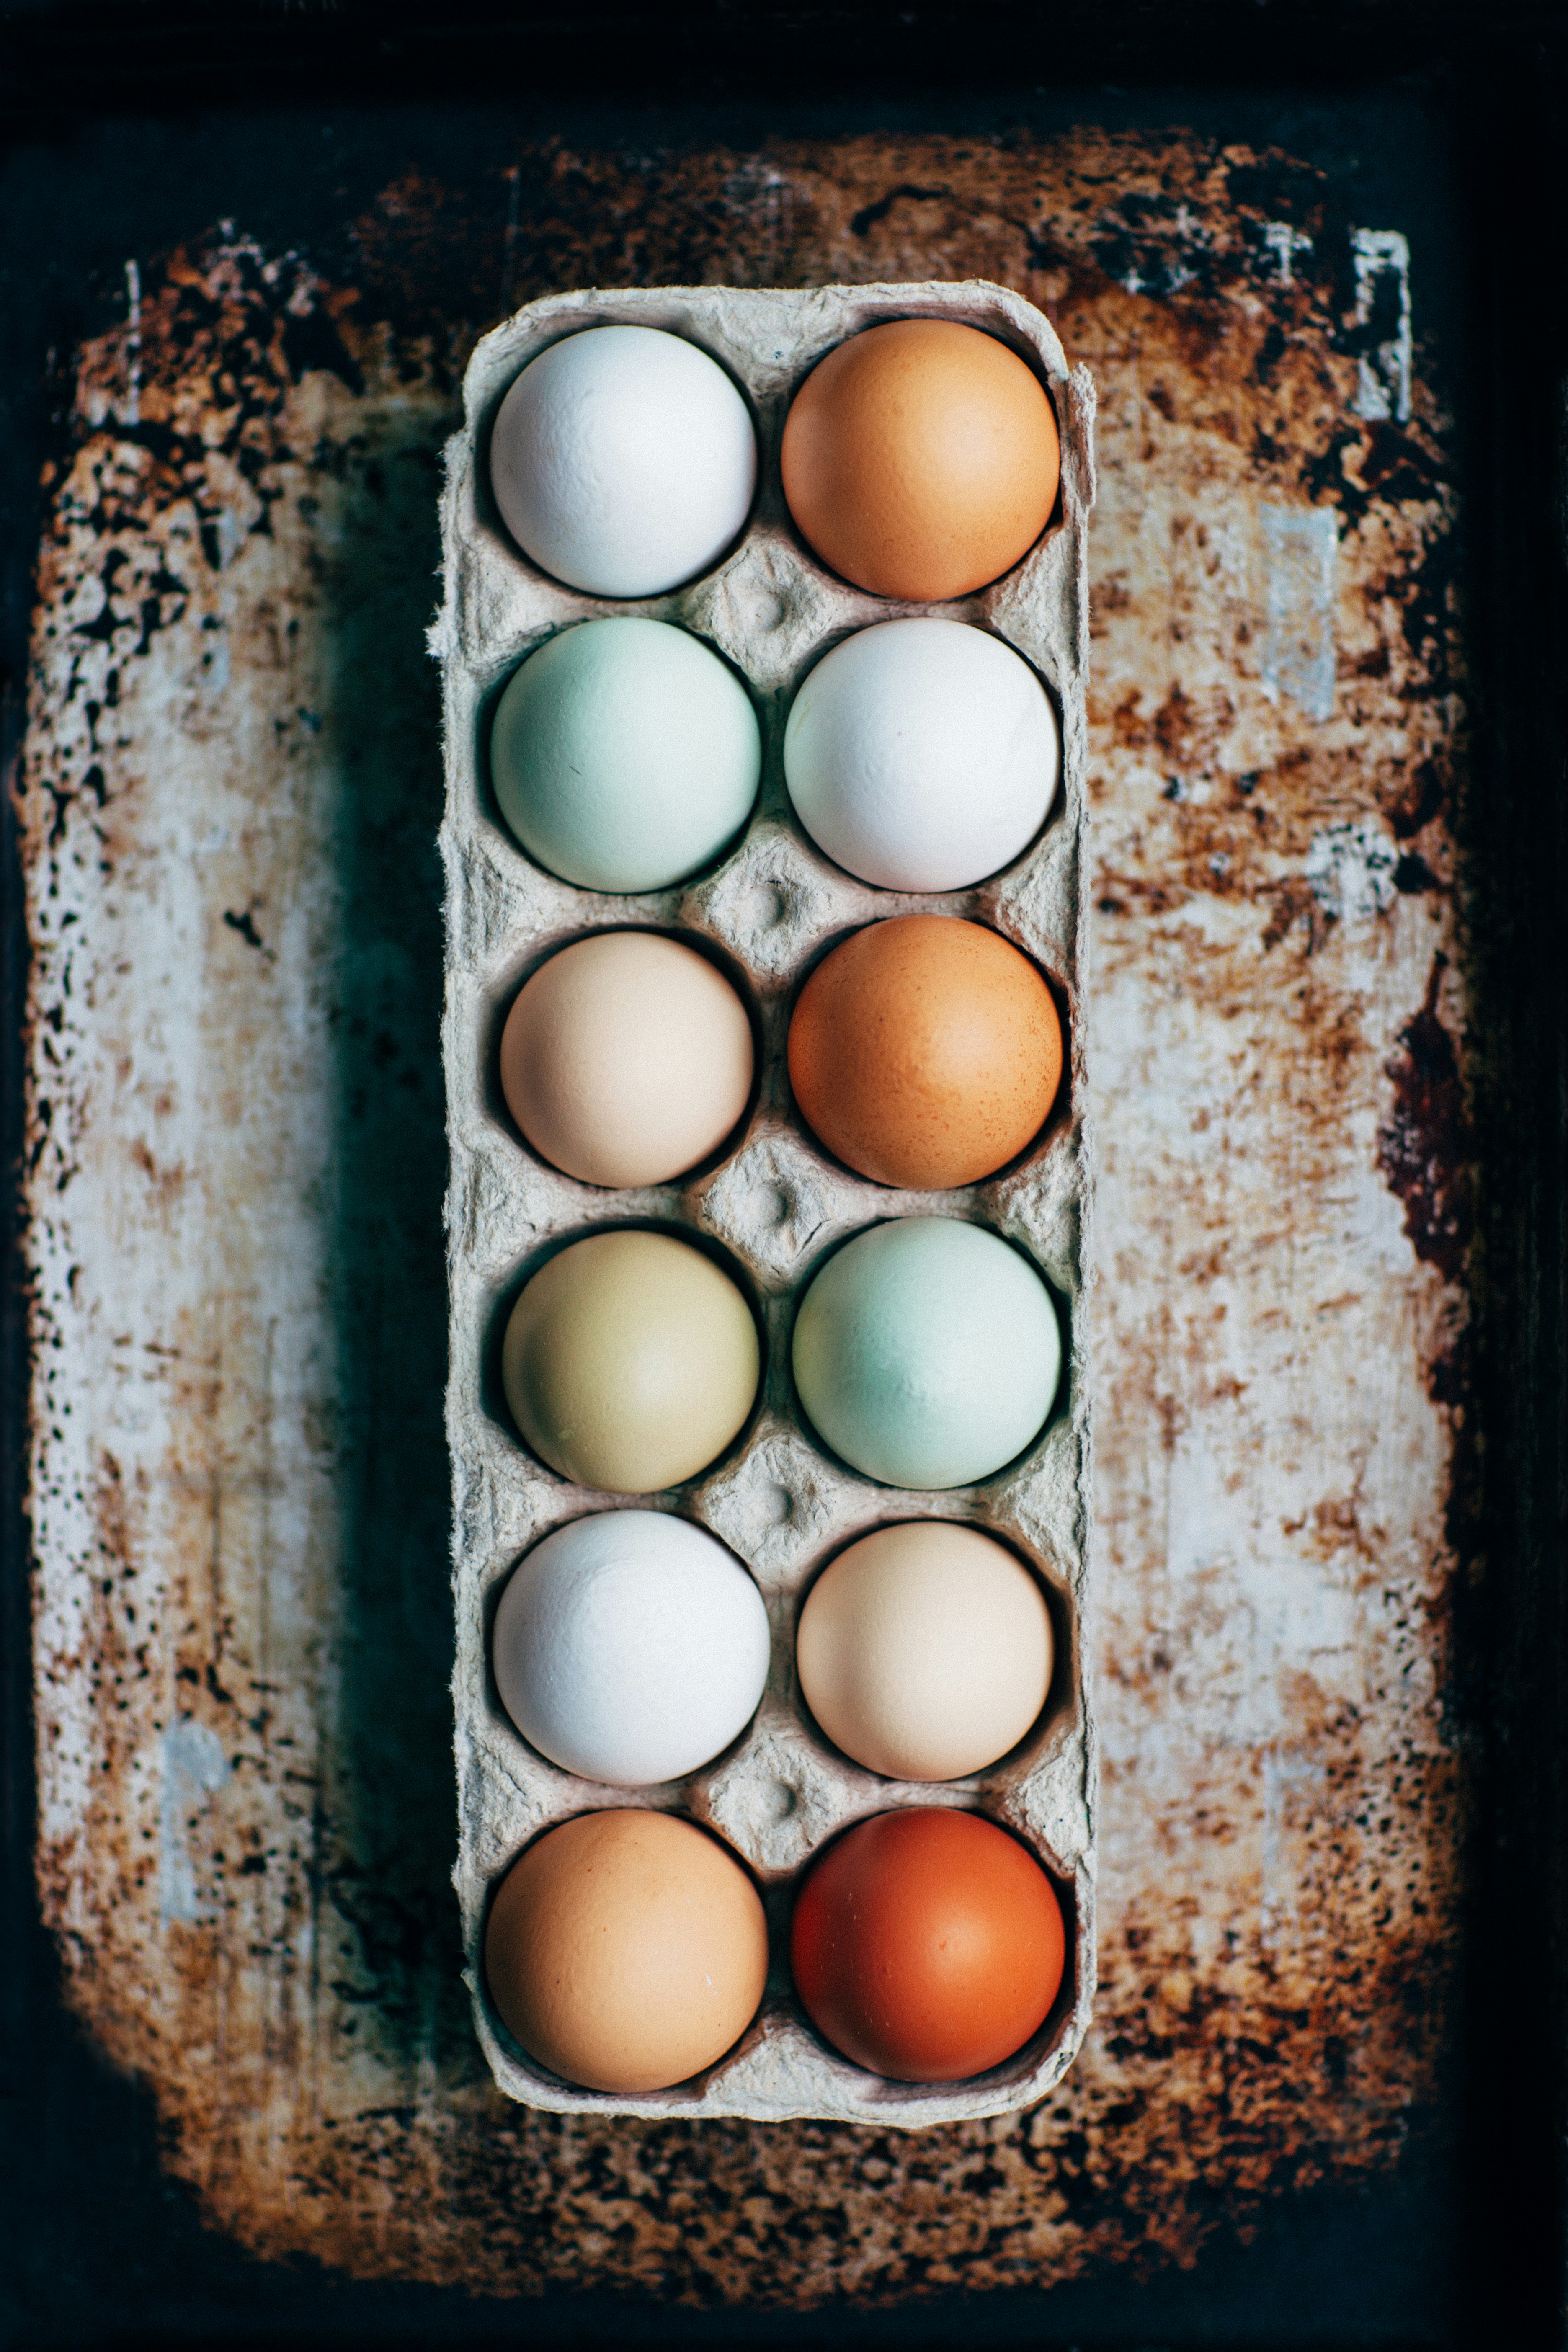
x,y
227,802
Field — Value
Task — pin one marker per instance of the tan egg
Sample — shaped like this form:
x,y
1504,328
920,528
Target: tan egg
x,y
921,459
627,1951
626,1059
630,1361
925,1651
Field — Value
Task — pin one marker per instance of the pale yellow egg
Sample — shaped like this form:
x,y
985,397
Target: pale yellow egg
x,y
630,1361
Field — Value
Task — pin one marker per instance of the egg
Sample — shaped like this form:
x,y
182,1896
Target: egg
x,y
921,459
624,461
921,754
626,1951
925,1651
927,1353
925,1052
927,1945
625,754
630,1647
626,1058
630,1361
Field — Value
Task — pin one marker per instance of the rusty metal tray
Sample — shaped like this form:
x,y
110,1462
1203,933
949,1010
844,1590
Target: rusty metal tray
x,y
1323,2097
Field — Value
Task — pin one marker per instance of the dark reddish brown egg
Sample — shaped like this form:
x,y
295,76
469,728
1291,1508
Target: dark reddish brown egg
x,y
925,1052
921,459
927,1945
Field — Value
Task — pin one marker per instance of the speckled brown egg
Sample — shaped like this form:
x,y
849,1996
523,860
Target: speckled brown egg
x,y
925,1052
921,459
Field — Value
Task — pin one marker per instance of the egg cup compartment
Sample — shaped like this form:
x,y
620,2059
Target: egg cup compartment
x,y
776,1203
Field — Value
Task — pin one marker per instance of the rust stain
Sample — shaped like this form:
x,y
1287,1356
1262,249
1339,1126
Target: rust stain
x,y
1423,1151
229,784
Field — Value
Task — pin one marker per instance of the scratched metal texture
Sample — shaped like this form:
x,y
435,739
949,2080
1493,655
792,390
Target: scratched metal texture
x,y
227,802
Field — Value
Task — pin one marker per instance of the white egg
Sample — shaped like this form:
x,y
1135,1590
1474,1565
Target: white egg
x,y
630,1647
623,461
923,754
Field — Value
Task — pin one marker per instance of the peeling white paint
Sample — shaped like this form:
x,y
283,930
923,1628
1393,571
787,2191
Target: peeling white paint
x,y
1285,242
1300,547
195,1767
1383,377
1286,1774
1350,870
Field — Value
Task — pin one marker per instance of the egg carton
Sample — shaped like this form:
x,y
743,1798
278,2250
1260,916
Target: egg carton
x,y
772,1206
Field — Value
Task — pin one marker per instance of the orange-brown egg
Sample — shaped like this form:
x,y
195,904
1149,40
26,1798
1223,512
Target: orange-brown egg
x,y
921,458
927,1945
925,1052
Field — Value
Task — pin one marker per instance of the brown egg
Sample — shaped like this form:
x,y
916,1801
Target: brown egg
x,y
927,1945
921,459
925,1052
626,1951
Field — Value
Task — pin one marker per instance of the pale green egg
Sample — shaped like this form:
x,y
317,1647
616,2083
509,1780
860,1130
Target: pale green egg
x,y
927,1353
625,754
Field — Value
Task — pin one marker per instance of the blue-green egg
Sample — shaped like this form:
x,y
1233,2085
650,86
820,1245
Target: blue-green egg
x,y
625,754
927,1353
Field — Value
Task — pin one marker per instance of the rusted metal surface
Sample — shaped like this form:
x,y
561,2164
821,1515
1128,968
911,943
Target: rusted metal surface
x,y
228,799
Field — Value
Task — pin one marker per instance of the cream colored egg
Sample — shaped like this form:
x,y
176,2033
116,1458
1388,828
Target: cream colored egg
x,y
626,1058
925,1651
